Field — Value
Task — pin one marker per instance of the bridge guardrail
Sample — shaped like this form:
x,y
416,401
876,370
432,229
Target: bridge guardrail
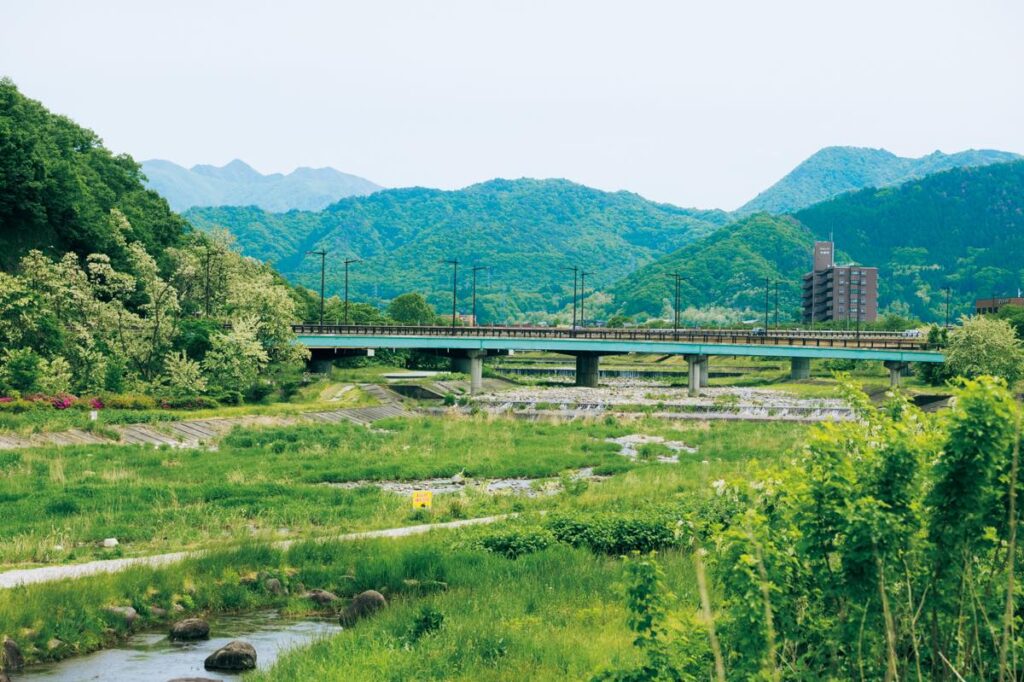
x,y
880,340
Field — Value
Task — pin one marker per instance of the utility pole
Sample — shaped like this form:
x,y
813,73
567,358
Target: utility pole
x,y
675,308
323,268
575,273
766,287
455,283
949,291
347,262
476,268
583,297
776,305
206,305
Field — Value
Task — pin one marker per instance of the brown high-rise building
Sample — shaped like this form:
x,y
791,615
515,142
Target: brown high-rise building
x,y
839,292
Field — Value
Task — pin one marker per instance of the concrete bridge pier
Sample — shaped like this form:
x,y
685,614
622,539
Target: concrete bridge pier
x,y
799,368
698,372
471,362
588,369
896,370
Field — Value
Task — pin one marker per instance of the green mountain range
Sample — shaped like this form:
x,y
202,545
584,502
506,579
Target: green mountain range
x,y
727,270
525,231
962,228
238,184
834,170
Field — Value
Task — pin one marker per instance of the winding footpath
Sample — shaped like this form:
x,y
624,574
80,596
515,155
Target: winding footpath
x,y
46,574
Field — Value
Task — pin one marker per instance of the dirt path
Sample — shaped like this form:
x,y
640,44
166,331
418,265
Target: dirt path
x,y
195,432
45,574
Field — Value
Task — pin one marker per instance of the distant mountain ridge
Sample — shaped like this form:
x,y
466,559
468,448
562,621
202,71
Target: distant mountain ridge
x,y
526,231
832,171
962,228
238,184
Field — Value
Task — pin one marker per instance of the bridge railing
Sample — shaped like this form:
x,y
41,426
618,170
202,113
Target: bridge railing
x,y
818,338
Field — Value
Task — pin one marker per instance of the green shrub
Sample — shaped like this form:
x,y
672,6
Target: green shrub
x,y
513,543
615,534
648,452
427,620
18,406
191,403
129,401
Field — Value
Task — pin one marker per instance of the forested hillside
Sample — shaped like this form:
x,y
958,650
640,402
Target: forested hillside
x,y
105,292
835,170
526,231
59,188
963,228
726,270
238,184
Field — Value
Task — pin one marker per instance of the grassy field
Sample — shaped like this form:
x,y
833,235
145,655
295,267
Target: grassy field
x,y
554,614
59,503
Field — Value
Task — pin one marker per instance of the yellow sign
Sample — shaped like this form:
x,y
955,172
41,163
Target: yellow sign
x,y
422,499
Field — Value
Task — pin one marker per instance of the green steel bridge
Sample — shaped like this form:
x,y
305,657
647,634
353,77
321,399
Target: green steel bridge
x,y
469,345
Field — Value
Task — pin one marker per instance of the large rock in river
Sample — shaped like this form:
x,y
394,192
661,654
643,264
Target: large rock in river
x,y
190,629
363,604
236,655
10,656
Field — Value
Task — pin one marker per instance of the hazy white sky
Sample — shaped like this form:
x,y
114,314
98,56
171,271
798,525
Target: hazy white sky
x,y
696,103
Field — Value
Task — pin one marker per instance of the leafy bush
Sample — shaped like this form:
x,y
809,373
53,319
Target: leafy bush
x,y
198,402
427,620
615,534
129,401
16,406
513,543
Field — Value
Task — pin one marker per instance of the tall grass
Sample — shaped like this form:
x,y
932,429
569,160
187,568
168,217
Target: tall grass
x,y
267,483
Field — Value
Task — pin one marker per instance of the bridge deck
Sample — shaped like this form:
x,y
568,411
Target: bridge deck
x,y
802,344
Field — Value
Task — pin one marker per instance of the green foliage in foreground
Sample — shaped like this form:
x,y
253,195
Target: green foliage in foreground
x,y
879,548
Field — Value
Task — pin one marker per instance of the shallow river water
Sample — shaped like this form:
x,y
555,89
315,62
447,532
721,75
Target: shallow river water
x,y
151,656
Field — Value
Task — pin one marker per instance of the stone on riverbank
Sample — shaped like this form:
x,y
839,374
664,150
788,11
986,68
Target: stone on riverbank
x,y
11,659
273,586
126,614
363,604
190,629
236,655
322,597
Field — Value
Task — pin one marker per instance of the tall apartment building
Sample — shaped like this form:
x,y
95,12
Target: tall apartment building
x,y
839,292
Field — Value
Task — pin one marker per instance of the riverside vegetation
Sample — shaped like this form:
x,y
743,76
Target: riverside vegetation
x,y
880,549
274,482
